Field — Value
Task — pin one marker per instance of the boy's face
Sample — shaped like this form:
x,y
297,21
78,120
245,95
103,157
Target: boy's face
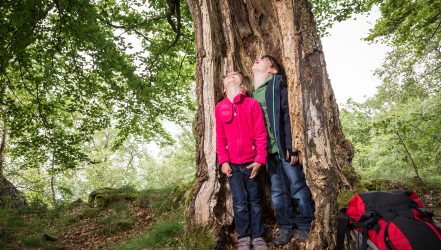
x,y
263,65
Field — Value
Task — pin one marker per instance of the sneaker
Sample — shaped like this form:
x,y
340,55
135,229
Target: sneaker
x,y
301,235
244,243
259,244
285,235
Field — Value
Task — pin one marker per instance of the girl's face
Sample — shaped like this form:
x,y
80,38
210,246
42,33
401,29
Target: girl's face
x,y
232,79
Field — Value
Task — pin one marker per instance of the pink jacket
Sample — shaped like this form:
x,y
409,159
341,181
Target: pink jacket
x,y
241,135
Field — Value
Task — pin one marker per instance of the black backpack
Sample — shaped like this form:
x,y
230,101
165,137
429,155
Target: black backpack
x,y
388,220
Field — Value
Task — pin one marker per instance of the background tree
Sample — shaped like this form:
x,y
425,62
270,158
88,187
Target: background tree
x,y
69,68
395,131
229,36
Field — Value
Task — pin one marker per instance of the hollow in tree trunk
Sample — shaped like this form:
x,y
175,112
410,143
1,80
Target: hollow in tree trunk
x,y
229,35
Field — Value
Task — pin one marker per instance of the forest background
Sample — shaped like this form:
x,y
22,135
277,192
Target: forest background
x,y
87,86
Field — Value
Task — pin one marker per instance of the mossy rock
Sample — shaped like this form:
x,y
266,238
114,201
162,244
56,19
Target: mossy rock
x,y
105,196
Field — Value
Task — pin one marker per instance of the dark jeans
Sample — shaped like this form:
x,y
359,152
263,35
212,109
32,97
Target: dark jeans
x,y
289,182
246,202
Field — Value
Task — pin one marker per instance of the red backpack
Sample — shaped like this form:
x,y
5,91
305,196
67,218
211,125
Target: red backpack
x,y
388,220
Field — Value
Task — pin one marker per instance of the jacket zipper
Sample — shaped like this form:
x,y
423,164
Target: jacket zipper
x,y
274,118
238,130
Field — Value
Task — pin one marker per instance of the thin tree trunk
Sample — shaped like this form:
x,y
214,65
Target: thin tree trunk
x,y
230,34
52,184
412,162
2,149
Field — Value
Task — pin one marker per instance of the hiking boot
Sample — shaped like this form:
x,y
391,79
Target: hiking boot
x,y
301,235
244,243
259,244
285,235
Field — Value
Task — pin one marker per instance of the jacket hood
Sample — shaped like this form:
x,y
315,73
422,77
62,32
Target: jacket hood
x,y
239,97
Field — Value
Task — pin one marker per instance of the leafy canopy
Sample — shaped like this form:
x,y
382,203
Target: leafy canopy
x,y
70,68
396,132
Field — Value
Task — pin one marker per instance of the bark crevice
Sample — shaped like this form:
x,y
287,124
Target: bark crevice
x,y
285,29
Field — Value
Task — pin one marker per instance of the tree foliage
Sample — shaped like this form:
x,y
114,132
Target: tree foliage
x,y
395,132
411,28
328,12
72,71
131,165
70,68
400,140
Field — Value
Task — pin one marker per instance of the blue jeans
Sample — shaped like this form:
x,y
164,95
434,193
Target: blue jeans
x,y
246,202
288,182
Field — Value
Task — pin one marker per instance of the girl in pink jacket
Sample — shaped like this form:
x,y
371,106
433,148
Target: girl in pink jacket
x,y
241,144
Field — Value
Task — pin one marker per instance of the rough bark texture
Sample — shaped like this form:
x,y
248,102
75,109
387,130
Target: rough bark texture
x,y
230,34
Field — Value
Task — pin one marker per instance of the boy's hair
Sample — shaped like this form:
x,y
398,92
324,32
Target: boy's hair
x,y
246,83
276,65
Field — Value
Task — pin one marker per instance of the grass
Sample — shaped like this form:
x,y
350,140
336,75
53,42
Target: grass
x,y
117,222
162,235
382,184
24,228
33,241
198,238
168,231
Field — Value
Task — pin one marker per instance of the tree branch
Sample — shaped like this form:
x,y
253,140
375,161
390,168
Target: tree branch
x,y
174,6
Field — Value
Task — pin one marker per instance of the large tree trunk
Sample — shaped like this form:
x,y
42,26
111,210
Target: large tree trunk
x,y
230,34
9,195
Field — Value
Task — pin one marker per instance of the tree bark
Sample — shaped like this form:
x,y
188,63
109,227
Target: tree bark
x,y
2,149
9,195
229,35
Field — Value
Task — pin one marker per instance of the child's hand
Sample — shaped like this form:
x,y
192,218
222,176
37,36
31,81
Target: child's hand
x,y
226,169
255,166
293,159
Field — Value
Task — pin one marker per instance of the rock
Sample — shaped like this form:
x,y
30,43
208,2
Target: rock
x,y
47,237
104,196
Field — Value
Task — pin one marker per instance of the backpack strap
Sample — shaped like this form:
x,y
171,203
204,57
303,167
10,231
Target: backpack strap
x,y
342,228
426,214
386,237
368,221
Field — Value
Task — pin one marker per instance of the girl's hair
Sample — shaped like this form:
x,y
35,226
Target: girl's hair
x,y
246,83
